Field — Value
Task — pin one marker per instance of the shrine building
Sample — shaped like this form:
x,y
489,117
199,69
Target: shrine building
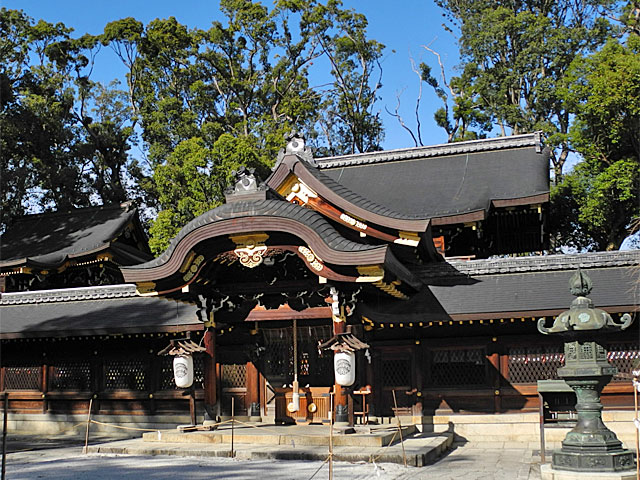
x,y
427,265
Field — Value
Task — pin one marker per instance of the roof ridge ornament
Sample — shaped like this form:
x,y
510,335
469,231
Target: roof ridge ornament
x,y
245,183
296,145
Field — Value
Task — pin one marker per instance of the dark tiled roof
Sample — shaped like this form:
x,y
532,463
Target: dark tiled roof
x,y
263,208
47,240
414,182
529,264
446,149
90,314
509,295
531,291
359,200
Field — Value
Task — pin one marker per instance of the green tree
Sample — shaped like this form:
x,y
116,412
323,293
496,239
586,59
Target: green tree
x,y
515,54
64,140
348,120
247,78
603,191
193,179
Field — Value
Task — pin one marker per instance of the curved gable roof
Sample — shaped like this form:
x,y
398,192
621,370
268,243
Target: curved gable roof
x,y
263,215
344,198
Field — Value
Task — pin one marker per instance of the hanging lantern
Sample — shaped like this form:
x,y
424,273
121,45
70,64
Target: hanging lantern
x,y
183,370
344,365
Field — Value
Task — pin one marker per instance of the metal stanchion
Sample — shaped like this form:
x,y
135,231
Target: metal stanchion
x,y
331,439
86,435
232,422
395,404
4,434
635,409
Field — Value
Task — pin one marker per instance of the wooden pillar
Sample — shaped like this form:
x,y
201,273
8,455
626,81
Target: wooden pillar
x,y
253,391
45,386
494,361
210,374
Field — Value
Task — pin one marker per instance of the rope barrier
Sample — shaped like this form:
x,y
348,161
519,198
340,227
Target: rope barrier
x,y
373,459
320,467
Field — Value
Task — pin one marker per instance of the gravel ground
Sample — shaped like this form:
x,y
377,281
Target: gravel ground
x,y
69,464
58,460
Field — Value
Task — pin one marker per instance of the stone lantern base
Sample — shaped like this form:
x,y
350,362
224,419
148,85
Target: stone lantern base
x,y
594,462
547,472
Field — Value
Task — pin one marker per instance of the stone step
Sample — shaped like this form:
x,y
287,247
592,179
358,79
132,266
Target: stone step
x,y
263,434
419,449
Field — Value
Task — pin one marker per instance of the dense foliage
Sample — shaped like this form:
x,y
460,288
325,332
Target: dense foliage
x,y
597,201
196,104
567,69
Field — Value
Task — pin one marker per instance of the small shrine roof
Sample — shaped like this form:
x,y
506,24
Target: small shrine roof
x,y
182,347
49,239
344,342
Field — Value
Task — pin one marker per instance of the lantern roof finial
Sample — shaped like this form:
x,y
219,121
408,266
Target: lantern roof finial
x,y
580,285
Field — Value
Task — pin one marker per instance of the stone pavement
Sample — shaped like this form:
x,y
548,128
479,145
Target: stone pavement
x,y
483,461
464,461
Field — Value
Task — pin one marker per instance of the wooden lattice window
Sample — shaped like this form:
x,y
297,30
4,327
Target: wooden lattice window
x,y
234,376
396,372
530,364
70,376
23,377
126,375
459,367
622,356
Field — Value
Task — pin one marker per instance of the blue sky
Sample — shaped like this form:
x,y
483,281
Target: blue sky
x,y
402,26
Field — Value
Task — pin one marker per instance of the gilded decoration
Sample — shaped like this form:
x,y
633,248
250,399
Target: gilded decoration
x,y
298,192
250,249
370,273
312,258
408,238
353,222
193,268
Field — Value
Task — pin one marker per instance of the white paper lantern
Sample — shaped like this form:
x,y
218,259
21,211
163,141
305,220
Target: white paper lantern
x,y
183,371
344,365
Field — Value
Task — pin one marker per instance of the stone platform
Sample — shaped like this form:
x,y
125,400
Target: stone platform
x,y
548,473
310,442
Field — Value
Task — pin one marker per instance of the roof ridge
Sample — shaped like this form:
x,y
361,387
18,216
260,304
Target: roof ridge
x,y
534,263
69,294
55,213
469,146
